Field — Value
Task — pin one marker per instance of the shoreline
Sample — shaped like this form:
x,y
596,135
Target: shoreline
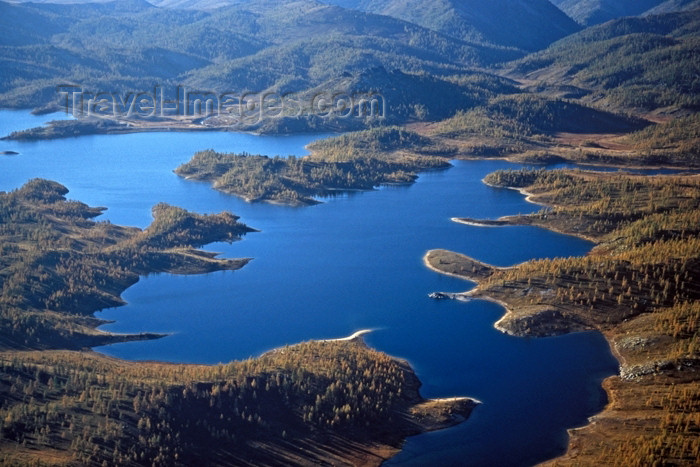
x,y
356,337
405,413
118,258
507,220
512,221
517,219
129,126
528,196
451,274
78,127
561,296
509,315
476,223
472,293
431,414
513,160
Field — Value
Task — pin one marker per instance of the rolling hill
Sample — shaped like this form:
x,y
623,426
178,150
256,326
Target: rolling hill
x,y
290,46
644,63
523,24
670,6
592,12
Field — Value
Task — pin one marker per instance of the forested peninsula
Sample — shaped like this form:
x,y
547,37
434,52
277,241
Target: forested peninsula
x,y
59,265
639,286
317,402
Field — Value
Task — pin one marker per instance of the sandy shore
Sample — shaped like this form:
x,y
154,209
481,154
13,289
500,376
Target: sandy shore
x,y
357,336
434,269
472,293
528,196
460,220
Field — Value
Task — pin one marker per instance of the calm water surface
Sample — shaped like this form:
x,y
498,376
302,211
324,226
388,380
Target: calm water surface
x,y
325,271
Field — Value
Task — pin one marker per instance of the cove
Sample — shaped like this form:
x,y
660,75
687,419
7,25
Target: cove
x,y
352,263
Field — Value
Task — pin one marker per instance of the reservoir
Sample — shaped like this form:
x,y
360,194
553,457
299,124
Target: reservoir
x,y
353,262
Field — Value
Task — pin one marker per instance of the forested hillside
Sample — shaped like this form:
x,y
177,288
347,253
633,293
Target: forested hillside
x,y
592,12
259,46
317,402
639,63
307,49
520,24
406,86
638,286
59,266
670,6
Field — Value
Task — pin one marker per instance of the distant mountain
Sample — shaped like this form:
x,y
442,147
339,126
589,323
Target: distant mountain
x,y
592,12
403,94
526,25
255,46
194,4
303,54
523,24
671,6
646,63
112,5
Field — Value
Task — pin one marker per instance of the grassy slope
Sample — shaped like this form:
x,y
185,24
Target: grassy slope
x,y
639,286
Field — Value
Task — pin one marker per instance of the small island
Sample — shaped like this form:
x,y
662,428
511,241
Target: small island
x,y
359,161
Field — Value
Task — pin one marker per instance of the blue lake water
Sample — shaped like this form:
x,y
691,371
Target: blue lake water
x,y
354,262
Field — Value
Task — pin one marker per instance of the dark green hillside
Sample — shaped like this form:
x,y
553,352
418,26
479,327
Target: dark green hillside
x,y
644,63
378,142
400,97
30,26
306,63
670,6
522,24
592,12
508,124
539,115
311,43
256,46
